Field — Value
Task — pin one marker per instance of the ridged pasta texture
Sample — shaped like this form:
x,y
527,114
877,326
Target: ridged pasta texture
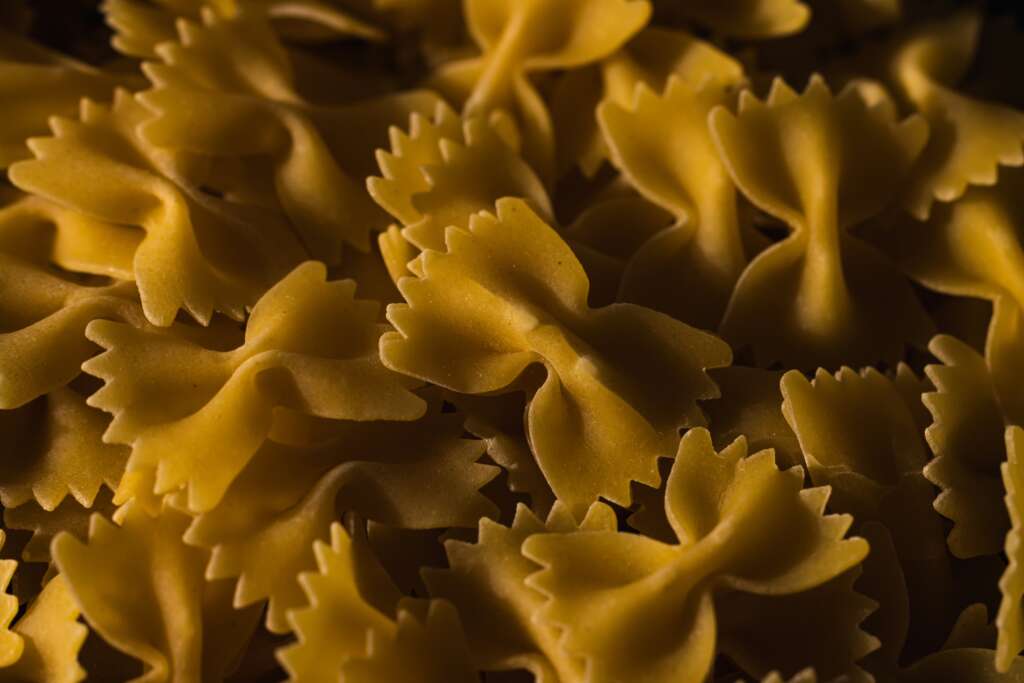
x,y
498,341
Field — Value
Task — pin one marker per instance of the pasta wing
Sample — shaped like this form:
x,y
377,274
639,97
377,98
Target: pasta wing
x,y
972,248
55,448
354,631
742,18
820,628
139,27
43,311
70,516
628,603
486,583
664,147
517,38
198,253
509,293
970,138
142,589
263,529
966,437
1010,618
858,437
36,84
52,636
821,163
243,103
446,169
12,645
310,346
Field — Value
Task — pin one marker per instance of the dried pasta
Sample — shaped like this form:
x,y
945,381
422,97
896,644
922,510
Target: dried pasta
x,y
494,341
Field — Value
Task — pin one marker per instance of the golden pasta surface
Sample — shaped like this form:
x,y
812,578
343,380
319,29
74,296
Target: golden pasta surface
x,y
498,341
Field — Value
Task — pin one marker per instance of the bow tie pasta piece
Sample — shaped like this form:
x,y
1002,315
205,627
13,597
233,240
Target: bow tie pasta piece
x,y
195,416
740,18
53,447
446,169
1010,619
821,163
414,475
858,437
663,146
621,380
973,248
198,253
486,583
966,436
638,609
970,138
36,84
44,310
517,38
351,632
238,82
142,589
139,27
52,638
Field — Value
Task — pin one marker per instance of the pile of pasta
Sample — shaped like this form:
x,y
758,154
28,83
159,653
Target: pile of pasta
x,y
574,341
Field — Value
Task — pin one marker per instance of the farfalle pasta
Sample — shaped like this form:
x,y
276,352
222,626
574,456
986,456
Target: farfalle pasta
x,y
464,341
509,293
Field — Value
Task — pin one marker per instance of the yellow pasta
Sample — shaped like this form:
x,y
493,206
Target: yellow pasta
x,y
509,293
820,163
662,595
466,341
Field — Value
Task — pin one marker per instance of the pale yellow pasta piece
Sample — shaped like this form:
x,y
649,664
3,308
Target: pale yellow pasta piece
x,y
55,448
742,18
486,582
444,170
519,38
355,628
239,83
417,475
52,635
970,138
509,293
663,145
858,437
199,253
966,437
1010,619
142,589
194,416
821,163
638,609
37,83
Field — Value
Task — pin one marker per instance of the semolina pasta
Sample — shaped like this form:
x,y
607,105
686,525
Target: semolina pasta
x,y
492,341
